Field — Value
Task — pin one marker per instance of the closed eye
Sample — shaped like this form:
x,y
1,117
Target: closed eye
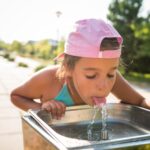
x,y
110,76
91,76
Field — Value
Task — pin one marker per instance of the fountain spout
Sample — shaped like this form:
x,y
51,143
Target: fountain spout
x,y
104,135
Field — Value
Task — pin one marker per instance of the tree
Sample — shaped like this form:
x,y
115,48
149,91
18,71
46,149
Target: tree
x,y
125,17
3,45
43,49
60,48
29,48
142,59
16,46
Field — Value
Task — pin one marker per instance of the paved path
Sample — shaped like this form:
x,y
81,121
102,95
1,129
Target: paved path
x,y
10,122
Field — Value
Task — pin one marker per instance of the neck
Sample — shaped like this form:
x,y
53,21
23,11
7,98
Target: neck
x,y
73,92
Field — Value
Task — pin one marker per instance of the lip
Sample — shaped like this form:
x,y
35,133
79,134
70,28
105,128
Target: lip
x,y
98,100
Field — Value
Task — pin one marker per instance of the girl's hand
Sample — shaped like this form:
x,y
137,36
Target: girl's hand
x,y
56,108
146,103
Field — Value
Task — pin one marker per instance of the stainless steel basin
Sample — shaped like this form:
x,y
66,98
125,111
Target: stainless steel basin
x,y
126,125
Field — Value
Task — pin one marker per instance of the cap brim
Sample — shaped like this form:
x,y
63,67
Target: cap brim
x,y
59,57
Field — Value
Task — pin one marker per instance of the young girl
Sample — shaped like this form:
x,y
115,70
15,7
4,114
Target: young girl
x,y
87,74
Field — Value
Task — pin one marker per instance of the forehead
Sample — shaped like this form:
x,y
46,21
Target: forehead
x,y
97,63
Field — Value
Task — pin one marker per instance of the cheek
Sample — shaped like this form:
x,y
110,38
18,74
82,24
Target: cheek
x,y
111,83
81,84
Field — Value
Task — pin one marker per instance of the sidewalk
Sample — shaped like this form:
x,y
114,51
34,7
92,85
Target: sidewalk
x,y
11,137
10,122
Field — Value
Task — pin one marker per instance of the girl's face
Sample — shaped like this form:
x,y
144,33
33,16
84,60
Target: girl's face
x,y
94,78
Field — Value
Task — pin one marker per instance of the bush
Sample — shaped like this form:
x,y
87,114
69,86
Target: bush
x,y
11,59
21,64
141,65
6,55
39,68
138,77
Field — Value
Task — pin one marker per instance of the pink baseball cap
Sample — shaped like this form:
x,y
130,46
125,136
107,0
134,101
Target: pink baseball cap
x,y
86,38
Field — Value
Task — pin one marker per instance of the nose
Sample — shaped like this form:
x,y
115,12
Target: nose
x,y
102,84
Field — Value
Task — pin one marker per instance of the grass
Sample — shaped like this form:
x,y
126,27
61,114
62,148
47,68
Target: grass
x,y
138,77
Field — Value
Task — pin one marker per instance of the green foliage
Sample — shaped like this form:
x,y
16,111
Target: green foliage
x,y
139,77
3,45
37,49
21,64
141,64
11,59
43,49
29,49
142,32
135,30
6,55
60,48
39,68
16,46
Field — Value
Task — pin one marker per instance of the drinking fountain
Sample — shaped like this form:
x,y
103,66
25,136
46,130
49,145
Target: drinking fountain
x,y
128,126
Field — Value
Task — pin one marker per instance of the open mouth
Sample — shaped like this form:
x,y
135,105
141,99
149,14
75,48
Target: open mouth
x,y
99,101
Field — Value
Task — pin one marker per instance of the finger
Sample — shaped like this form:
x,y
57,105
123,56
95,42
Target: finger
x,y
63,109
46,106
58,110
63,106
53,110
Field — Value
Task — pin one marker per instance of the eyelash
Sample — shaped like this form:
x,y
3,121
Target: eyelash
x,y
93,76
90,77
110,76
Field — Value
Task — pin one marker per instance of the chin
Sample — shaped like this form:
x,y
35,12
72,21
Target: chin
x,y
91,104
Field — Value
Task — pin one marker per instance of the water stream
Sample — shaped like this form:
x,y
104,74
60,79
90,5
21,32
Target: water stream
x,y
103,134
90,126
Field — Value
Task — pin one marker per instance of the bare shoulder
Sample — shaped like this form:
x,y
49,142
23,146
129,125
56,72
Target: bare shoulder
x,y
40,83
46,76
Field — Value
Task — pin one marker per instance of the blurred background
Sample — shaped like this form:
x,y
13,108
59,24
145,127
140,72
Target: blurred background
x,y
38,28
33,32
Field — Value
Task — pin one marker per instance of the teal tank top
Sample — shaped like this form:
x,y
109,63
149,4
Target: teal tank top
x,y
64,96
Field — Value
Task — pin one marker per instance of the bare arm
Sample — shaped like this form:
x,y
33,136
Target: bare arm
x,y
43,85
124,91
24,95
